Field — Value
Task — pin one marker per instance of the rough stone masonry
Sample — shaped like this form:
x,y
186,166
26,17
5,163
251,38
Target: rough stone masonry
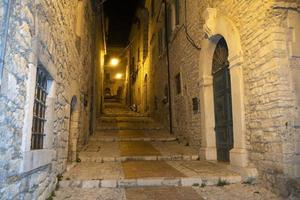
x,y
58,36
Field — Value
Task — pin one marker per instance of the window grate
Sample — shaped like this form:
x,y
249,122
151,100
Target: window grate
x,y
39,109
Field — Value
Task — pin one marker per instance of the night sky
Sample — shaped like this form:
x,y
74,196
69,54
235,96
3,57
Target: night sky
x,y
120,14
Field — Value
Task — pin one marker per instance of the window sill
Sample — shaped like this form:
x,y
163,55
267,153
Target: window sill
x,y
36,158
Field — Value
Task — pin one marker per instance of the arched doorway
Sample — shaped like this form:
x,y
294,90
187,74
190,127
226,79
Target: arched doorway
x,y
146,93
216,27
73,130
222,101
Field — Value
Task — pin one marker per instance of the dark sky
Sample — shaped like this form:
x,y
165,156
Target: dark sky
x,y
120,14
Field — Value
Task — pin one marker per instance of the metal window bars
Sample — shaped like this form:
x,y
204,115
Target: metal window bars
x,y
39,109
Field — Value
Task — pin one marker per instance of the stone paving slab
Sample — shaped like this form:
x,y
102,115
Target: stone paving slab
x,y
137,148
162,193
94,171
148,169
89,194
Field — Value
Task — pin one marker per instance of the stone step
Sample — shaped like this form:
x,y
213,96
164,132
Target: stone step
x,y
133,139
109,128
174,157
132,135
136,150
124,119
125,114
148,174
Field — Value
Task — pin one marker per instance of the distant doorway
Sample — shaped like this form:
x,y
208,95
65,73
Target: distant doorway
x,y
222,101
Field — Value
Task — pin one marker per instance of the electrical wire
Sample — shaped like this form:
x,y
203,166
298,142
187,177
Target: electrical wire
x,y
188,36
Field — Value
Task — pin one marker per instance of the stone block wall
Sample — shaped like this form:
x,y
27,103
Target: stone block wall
x,y
269,38
43,33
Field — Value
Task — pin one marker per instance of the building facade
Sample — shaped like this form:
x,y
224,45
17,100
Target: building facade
x,y
46,95
228,70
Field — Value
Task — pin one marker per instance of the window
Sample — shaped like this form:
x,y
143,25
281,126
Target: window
x,y
177,12
152,8
39,108
169,22
178,83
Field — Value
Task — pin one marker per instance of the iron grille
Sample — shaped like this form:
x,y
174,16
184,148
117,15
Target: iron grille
x,y
39,109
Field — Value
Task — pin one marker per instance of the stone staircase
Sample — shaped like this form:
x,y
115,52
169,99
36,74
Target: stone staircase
x,y
131,150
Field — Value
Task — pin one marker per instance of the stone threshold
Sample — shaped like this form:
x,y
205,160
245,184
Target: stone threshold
x,y
141,158
150,182
145,139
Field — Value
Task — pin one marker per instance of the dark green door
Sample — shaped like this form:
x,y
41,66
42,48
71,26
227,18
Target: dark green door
x,y
222,101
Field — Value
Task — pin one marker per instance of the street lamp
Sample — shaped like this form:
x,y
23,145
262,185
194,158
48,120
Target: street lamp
x,y
114,61
118,76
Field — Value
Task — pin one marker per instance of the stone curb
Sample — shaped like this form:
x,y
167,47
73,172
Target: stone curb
x,y
148,182
141,158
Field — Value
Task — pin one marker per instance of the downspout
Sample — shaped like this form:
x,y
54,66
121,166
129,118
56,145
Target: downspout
x,y
168,66
6,27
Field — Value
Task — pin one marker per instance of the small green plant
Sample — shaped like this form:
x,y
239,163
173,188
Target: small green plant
x,y
222,182
195,184
203,185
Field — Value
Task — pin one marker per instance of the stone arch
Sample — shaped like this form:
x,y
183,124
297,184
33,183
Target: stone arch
x,y
217,26
73,129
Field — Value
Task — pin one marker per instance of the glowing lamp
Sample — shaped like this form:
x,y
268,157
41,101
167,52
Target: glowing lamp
x,y
114,61
119,76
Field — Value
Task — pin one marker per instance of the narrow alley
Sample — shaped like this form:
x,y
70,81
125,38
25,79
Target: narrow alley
x,y
150,100
131,157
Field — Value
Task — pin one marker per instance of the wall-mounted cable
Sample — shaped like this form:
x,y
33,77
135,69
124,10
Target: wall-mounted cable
x,y
188,36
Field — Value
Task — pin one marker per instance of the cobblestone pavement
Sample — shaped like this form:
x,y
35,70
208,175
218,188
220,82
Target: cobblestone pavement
x,y
132,158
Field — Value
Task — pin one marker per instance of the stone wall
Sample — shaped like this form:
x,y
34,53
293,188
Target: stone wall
x,y
269,38
43,33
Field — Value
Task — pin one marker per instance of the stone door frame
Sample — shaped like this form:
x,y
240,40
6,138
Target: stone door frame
x,y
217,26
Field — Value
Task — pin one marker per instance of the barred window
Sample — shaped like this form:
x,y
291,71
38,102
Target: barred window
x,y
39,109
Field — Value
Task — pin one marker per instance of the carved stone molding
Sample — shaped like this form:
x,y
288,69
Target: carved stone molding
x,y
210,16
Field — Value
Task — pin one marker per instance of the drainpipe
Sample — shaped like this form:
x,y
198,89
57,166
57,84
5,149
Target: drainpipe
x,y
6,26
168,66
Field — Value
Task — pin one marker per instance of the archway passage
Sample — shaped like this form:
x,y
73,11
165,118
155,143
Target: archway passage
x,y
222,101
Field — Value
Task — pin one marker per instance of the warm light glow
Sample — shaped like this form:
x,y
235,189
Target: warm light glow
x,y
114,61
119,76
